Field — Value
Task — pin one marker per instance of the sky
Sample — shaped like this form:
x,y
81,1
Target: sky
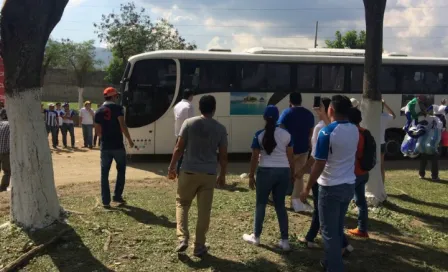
x,y
414,27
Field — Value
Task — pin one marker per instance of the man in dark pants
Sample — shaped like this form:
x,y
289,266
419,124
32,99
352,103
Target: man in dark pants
x,y
434,166
110,126
4,151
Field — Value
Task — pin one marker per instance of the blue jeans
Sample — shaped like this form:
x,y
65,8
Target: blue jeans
x,y
361,203
70,128
87,133
333,205
275,180
315,223
107,156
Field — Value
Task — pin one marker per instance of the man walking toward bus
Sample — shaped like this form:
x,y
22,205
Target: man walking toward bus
x,y
199,138
182,111
110,126
299,122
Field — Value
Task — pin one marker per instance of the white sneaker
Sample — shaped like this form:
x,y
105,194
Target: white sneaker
x,y
299,206
308,243
284,245
251,239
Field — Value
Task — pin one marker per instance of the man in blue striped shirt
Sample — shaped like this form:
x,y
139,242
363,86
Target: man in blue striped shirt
x,y
52,124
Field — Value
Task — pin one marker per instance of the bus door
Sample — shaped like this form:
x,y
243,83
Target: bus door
x,y
151,89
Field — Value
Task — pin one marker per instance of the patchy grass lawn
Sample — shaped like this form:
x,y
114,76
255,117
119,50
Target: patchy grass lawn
x,y
409,233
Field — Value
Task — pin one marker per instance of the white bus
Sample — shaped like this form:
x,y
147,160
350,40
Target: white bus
x,y
244,83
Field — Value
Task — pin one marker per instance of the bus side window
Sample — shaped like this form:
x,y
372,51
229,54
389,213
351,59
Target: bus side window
x,y
332,77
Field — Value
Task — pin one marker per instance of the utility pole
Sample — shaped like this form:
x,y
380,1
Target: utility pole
x,y
315,36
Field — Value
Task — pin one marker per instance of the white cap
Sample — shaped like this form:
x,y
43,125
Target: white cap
x,y
51,105
355,102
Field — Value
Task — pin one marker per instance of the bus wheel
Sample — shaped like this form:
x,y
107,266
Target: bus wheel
x,y
393,145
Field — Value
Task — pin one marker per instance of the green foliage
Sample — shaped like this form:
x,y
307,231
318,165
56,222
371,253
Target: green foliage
x,y
350,39
79,58
131,32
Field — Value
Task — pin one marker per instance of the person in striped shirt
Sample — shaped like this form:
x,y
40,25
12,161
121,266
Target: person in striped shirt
x,y
52,123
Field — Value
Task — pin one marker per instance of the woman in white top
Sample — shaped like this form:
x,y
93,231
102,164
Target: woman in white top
x,y
273,154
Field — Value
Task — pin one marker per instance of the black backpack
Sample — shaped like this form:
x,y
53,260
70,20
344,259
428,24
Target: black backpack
x,y
368,160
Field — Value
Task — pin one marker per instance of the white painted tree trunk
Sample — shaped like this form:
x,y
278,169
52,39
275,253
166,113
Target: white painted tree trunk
x,y
80,97
34,201
371,116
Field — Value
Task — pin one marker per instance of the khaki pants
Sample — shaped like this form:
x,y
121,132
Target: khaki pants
x,y
6,167
299,162
189,186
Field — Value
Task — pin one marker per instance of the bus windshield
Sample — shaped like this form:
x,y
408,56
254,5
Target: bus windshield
x,y
151,90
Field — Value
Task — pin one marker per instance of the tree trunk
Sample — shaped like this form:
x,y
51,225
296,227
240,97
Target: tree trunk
x,y
80,97
25,28
371,105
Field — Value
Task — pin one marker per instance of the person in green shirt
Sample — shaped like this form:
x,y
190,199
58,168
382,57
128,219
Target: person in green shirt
x,y
414,109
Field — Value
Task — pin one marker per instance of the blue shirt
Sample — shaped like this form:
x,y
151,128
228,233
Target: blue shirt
x,y
299,122
337,144
107,116
278,157
51,117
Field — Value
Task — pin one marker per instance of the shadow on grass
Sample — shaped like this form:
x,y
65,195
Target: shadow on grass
x,y
435,222
146,217
413,200
69,254
233,187
223,265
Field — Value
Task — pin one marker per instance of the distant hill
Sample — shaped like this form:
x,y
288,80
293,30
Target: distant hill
x,y
104,55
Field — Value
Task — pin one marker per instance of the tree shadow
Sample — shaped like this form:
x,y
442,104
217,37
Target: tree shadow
x,y
223,265
69,254
410,199
146,217
436,222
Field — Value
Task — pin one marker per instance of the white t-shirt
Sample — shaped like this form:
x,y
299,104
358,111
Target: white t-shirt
x,y
60,112
439,109
70,113
278,158
385,118
316,131
182,111
87,118
337,144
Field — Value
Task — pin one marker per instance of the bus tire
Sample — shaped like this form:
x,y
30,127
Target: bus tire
x,y
394,138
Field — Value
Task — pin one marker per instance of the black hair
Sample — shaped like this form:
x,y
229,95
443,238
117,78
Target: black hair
x,y
326,102
187,94
269,142
341,105
207,104
108,98
355,116
295,98
3,115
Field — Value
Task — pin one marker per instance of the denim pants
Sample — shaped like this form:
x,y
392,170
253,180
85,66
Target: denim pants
x,y
87,133
70,128
333,205
275,180
315,223
107,156
54,134
360,200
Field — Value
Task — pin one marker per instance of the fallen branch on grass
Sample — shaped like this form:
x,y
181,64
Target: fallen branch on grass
x,y
109,234
74,212
33,252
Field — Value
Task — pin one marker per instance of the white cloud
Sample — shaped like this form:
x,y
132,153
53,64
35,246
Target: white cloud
x,y
75,3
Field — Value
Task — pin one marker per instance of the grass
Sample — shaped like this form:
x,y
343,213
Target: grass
x,y
409,233
73,105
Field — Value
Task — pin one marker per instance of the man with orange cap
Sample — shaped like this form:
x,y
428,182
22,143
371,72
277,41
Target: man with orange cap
x,y
110,127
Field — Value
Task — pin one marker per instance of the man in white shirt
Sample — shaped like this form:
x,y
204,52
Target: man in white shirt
x,y
86,115
334,171
182,111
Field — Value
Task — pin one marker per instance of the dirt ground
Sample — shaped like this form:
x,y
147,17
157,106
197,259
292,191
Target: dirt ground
x,y
83,165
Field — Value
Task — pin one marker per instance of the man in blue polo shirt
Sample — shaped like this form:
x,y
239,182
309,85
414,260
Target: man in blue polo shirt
x,y
299,122
334,171
110,127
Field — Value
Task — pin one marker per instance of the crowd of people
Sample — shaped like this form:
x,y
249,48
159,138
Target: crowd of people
x,y
337,152
61,118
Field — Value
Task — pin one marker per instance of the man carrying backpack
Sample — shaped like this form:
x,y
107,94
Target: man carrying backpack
x,y
365,161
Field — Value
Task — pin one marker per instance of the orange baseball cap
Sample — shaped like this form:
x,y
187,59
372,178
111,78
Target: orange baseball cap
x,y
110,91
